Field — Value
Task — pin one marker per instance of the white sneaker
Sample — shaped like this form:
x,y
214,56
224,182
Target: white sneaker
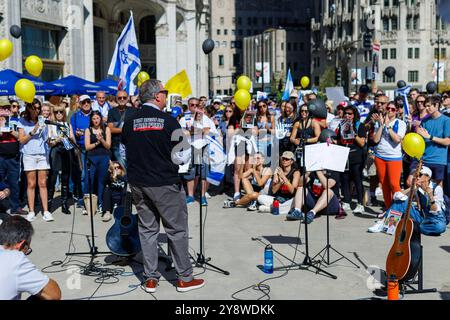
x,y
106,217
378,192
377,227
346,207
252,206
263,208
48,216
359,209
207,195
84,212
31,216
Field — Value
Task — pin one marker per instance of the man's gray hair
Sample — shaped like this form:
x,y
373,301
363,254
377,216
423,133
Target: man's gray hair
x,y
15,229
149,89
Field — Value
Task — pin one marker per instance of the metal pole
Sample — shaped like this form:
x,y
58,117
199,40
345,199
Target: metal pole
x,y
262,60
438,60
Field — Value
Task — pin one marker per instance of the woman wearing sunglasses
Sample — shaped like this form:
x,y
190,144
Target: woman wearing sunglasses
x,y
306,127
34,149
389,133
287,120
266,125
60,156
351,133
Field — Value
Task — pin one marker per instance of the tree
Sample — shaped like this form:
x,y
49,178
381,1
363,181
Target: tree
x,y
328,78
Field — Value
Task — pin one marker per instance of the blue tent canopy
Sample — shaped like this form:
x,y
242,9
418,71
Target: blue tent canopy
x,y
75,85
8,79
110,84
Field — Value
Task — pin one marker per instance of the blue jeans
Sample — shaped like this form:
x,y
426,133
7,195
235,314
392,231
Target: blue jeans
x,y
10,169
430,224
115,150
99,166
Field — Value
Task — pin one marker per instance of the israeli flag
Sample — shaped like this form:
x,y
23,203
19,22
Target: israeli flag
x,y
404,92
126,62
217,161
289,86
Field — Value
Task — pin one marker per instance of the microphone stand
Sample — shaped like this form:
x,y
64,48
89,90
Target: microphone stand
x,y
307,262
93,250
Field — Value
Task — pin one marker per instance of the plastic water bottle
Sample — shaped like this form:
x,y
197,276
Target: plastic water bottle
x,y
268,259
276,207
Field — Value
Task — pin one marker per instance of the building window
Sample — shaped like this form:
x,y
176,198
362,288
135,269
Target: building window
x,y
249,21
386,3
408,23
393,53
224,44
394,23
416,23
219,92
384,54
443,53
218,32
395,3
387,79
236,60
255,21
385,24
282,46
225,32
295,46
410,53
233,20
413,76
233,32
222,20
239,21
282,66
417,53
289,46
221,60
147,30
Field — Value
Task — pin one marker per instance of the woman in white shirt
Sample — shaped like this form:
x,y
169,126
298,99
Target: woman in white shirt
x,y
389,133
33,139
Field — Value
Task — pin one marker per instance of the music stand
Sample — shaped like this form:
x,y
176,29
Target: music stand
x,y
328,247
419,281
93,250
307,262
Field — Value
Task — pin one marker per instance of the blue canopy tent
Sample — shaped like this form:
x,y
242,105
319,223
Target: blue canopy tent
x,y
8,79
110,84
75,85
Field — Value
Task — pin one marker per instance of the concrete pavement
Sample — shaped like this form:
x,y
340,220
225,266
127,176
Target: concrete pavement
x,y
234,239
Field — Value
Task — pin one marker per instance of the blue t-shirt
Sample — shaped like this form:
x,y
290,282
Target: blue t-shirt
x,y
80,121
440,128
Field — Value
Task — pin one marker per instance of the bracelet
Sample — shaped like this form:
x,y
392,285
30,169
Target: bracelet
x,y
431,138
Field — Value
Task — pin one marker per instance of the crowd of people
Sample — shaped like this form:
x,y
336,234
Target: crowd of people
x,y
100,146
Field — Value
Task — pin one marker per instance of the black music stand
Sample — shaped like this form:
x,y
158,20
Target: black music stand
x,y
328,247
307,262
419,282
93,250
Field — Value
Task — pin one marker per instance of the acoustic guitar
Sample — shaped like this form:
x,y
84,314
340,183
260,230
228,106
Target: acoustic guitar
x,y
123,237
404,257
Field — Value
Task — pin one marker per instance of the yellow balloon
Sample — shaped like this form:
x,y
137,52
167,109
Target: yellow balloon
x,y
242,98
304,82
414,145
34,65
139,83
143,76
25,90
244,83
6,49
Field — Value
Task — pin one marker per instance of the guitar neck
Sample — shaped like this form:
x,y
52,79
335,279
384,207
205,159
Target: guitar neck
x,y
412,190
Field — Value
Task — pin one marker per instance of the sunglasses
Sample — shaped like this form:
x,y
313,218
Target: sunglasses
x,y
194,104
420,101
28,248
391,109
122,98
229,111
304,110
117,167
86,102
349,113
14,106
59,111
286,159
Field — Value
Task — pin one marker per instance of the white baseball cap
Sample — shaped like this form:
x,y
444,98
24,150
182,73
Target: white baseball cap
x,y
84,97
426,171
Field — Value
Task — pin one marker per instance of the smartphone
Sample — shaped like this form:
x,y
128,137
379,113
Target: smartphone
x,y
41,121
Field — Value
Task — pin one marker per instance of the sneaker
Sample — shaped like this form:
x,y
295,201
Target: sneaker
x,y
264,209
378,192
183,286
359,209
107,216
377,227
295,215
204,202
252,206
346,206
31,216
229,204
84,212
47,216
150,285
207,195
310,217
190,200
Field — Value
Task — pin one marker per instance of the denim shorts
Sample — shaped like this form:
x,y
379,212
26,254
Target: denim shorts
x,y
195,172
333,206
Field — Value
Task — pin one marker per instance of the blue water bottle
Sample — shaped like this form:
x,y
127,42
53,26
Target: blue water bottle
x,y
268,259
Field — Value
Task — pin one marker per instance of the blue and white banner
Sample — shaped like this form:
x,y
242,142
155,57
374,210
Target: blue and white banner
x,y
289,86
126,62
404,92
217,161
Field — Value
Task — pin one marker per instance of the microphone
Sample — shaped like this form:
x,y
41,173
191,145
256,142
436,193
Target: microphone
x,y
54,123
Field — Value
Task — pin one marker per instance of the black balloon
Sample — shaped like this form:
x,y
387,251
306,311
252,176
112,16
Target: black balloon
x,y
208,46
327,133
317,108
15,31
389,72
401,84
431,87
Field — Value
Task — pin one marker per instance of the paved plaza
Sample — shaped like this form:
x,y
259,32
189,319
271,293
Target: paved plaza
x,y
234,239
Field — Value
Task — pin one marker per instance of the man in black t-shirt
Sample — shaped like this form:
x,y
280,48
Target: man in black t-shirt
x,y
150,138
116,118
